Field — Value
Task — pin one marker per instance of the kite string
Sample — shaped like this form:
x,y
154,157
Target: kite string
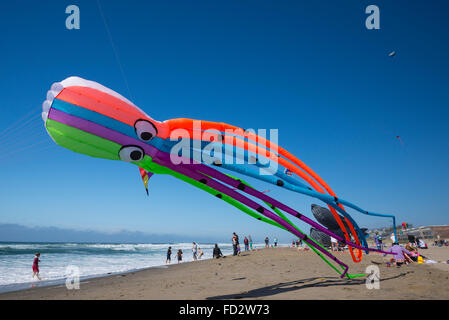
x,y
21,141
18,130
19,122
27,128
114,49
24,148
27,159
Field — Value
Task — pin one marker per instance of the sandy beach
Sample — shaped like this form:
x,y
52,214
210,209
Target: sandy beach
x,y
275,273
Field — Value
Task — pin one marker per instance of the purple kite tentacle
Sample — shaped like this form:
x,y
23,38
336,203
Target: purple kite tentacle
x,y
187,170
235,183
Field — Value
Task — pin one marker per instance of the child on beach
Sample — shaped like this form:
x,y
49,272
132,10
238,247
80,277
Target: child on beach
x,y
398,254
250,242
179,255
200,253
168,256
36,266
414,253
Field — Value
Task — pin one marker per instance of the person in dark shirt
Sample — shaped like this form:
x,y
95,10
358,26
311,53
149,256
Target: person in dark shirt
x,y
246,242
235,243
168,255
217,252
179,255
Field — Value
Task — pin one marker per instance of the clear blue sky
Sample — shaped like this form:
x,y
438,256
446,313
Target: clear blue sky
x,y
308,68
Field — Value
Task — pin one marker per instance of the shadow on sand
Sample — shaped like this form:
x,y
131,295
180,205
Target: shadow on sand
x,y
298,285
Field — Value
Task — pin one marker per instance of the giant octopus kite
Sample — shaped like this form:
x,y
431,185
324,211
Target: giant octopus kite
x,y
91,119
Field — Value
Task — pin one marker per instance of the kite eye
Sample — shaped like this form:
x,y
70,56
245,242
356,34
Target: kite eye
x,y
131,153
145,130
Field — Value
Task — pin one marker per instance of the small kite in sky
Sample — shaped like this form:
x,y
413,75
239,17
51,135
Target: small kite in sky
x,y
146,175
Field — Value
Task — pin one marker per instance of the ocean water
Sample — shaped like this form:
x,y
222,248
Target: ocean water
x,y
92,259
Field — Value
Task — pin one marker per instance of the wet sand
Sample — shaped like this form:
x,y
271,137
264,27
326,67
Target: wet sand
x,y
277,273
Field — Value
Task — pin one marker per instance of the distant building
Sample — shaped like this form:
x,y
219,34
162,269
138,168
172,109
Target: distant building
x,y
426,232
443,231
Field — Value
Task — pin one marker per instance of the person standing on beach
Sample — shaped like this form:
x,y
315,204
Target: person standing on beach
x,y
200,253
194,251
267,241
179,255
36,266
168,256
334,244
393,239
217,252
235,243
250,242
378,240
275,242
246,242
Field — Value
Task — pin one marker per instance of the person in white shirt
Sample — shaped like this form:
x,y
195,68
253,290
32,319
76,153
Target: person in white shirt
x,y
334,244
393,238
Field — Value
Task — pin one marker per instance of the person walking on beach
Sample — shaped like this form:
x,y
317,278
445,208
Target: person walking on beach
x,y
36,266
168,256
246,242
217,252
267,241
250,242
275,242
235,243
194,251
200,253
179,255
